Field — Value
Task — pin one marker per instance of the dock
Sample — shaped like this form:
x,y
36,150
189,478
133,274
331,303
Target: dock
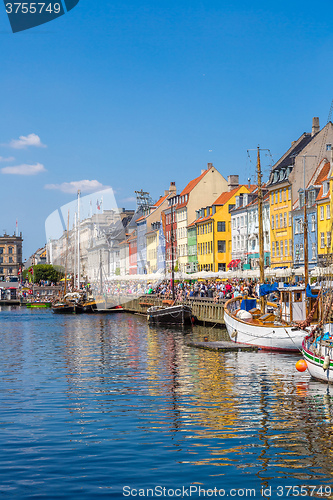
x,y
223,346
204,310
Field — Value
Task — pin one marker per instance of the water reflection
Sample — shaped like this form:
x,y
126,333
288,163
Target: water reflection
x,y
95,400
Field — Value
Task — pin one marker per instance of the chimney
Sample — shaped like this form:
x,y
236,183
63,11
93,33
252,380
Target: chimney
x,y
249,182
315,125
209,165
233,182
172,188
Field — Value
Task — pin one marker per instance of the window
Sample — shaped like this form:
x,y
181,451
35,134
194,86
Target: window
x,y
289,193
273,248
10,260
328,147
313,222
322,240
280,195
10,250
276,221
277,249
326,186
1,270
321,213
10,270
272,198
1,260
328,211
1,250
281,220
297,251
301,251
296,227
272,221
281,248
328,236
290,219
238,222
313,251
221,246
285,194
286,247
231,207
290,247
301,199
285,219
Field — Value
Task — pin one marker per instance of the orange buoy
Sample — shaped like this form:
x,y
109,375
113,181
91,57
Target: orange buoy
x,y
301,365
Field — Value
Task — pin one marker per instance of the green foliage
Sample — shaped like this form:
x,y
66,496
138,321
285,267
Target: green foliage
x,y
44,272
117,271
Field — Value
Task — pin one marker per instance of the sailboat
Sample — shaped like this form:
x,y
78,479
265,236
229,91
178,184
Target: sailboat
x,y
271,326
179,314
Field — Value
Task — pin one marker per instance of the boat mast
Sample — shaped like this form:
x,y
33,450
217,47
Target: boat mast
x,y
66,257
78,240
261,229
172,258
305,225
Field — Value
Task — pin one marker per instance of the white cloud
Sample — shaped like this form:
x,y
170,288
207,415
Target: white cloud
x,y
25,141
84,186
24,169
2,159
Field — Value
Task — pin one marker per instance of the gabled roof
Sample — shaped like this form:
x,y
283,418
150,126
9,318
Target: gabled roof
x,y
225,197
160,201
288,159
190,186
323,178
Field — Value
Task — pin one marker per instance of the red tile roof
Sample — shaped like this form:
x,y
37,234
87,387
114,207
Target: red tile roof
x,y
225,197
160,201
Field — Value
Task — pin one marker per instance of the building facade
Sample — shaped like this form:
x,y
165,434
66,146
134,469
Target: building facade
x,y
10,256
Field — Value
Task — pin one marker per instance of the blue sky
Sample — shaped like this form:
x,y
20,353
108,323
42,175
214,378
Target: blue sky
x,y
137,94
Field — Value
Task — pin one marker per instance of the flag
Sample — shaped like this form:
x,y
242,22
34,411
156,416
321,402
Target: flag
x,y
19,271
31,270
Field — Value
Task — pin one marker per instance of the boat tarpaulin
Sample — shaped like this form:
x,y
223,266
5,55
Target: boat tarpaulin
x,y
248,304
266,289
309,293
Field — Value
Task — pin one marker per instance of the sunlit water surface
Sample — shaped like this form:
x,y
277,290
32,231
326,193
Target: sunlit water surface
x,y
93,403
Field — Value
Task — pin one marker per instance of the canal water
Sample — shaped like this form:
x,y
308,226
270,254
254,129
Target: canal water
x,y
103,406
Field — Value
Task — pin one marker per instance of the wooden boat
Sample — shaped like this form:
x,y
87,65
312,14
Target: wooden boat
x,y
265,325
317,347
247,324
69,304
180,314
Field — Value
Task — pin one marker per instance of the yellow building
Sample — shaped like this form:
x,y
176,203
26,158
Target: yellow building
x,y
213,225
281,228
324,223
152,246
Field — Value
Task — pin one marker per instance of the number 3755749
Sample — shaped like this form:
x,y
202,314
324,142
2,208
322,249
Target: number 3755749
x,y
32,8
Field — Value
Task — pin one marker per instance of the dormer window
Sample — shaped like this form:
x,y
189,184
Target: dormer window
x,y
328,147
326,187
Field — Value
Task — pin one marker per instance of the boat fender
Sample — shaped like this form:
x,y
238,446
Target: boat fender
x,y
326,362
234,333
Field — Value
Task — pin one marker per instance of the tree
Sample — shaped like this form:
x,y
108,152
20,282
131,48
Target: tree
x,y
44,272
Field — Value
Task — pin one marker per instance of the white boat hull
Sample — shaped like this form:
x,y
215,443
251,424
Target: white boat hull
x,y
315,363
277,338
